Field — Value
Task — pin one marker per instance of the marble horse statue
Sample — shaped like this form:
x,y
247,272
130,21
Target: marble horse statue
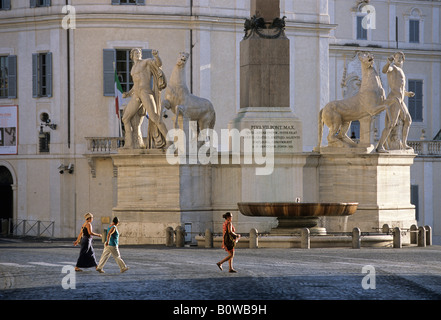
x,y
339,114
179,99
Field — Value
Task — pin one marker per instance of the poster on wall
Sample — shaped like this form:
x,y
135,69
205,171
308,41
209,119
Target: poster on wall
x,y
8,129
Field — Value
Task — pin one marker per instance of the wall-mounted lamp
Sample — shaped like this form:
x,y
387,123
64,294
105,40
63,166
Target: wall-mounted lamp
x,y
69,168
45,121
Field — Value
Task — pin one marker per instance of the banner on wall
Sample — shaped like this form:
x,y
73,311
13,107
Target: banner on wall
x,y
8,129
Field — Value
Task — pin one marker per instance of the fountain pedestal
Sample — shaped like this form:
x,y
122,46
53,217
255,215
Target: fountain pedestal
x,y
379,182
295,226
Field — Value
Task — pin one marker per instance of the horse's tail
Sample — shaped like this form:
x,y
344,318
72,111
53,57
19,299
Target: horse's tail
x,y
320,129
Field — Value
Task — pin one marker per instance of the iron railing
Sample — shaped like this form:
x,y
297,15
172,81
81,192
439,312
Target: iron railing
x,y
27,228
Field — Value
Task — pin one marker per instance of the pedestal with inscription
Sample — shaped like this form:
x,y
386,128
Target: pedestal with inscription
x,y
264,82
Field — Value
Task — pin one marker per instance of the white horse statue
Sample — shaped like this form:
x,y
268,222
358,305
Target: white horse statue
x,y
179,99
339,114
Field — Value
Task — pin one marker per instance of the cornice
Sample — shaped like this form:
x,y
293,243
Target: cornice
x,y
435,54
153,21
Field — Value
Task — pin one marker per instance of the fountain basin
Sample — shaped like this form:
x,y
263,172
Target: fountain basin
x,y
294,216
296,209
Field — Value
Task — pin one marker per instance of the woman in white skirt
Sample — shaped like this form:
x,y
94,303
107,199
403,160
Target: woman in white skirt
x,y
111,248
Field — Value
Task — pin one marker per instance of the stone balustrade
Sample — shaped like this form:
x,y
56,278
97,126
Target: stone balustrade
x,y
426,147
103,145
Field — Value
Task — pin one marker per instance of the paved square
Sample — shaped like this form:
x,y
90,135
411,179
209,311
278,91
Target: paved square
x,y
37,270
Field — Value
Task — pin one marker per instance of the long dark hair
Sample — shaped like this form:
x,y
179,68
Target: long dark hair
x,y
227,215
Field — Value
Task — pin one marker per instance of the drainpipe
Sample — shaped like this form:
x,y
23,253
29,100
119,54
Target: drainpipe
x,y
191,49
68,82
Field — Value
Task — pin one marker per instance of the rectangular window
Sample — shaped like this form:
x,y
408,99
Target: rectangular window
x,y
361,32
415,104
8,77
44,139
3,77
5,4
42,74
40,3
119,59
129,2
123,66
414,31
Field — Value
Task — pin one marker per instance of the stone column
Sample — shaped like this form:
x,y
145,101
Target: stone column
x,y
254,240
169,237
180,236
356,238
208,239
397,238
421,237
305,242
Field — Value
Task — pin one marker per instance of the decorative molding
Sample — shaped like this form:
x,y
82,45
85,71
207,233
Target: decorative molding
x,y
256,25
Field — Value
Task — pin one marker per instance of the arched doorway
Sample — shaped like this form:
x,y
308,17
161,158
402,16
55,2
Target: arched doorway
x,y
6,196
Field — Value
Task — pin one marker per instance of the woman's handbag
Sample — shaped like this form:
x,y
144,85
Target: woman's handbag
x,y
229,239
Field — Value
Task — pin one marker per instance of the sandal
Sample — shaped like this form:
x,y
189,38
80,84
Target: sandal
x,y
219,266
232,271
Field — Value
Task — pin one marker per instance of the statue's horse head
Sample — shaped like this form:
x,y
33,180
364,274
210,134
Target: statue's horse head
x,y
366,58
182,59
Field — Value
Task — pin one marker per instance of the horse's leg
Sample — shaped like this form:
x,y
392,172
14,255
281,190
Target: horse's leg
x,y
332,136
333,121
343,134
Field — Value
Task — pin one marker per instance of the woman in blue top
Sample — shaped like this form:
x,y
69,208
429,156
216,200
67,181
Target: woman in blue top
x,y
111,248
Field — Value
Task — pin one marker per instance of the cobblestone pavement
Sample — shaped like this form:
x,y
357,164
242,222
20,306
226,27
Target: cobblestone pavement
x,y
34,270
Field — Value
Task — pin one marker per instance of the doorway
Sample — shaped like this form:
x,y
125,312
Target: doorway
x,y
6,196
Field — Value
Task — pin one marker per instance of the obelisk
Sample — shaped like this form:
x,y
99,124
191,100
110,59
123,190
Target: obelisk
x,y
264,78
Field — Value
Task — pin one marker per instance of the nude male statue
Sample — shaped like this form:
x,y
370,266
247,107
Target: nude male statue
x,y
145,98
396,109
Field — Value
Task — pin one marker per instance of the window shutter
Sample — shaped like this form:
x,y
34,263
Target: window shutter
x,y
35,75
115,1
109,59
414,31
361,32
419,99
33,3
47,3
49,74
12,77
147,53
140,2
415,104
6,5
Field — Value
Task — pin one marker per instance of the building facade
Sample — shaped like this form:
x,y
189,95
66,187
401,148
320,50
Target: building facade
x,y
58,61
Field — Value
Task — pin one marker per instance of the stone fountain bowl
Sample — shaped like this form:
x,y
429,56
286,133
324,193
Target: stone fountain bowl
x,y
296,209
